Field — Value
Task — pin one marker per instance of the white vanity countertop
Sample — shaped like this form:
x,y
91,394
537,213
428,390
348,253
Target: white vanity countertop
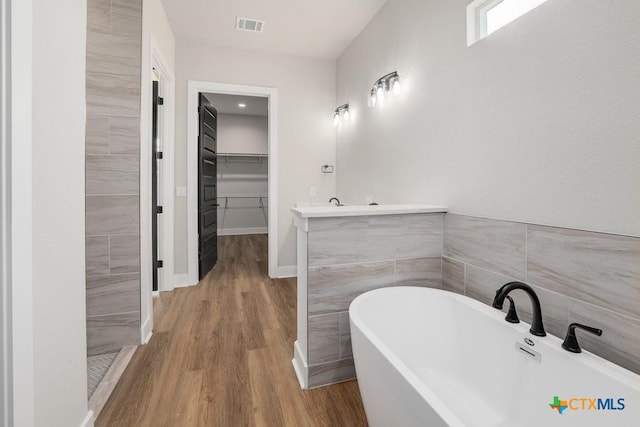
x,y
362,210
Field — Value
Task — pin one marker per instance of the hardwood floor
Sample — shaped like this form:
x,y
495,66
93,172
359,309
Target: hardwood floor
x,y
221,355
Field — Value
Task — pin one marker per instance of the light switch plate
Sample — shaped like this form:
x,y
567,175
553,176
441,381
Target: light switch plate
x,y
312,192
181,191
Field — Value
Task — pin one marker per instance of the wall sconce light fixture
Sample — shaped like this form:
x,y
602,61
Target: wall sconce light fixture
x,y
340,112
385,83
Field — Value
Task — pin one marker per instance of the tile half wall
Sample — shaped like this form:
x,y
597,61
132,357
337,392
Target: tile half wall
x,y
348,256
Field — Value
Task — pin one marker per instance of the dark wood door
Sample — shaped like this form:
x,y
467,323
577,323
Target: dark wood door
x,y
207,189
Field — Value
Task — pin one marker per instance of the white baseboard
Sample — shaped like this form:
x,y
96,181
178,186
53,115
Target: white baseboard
x,y
300,366
242,231
88,420
146,330
285,271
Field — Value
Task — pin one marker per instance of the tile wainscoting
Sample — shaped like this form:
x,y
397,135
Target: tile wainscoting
x,y
579,276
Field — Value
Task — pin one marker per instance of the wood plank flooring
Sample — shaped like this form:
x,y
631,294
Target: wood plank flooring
x,y
221,355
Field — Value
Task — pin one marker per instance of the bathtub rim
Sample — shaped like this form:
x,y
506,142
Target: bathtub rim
x,y
548,343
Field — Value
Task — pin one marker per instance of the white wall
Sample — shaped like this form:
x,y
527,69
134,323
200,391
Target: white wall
x,y
239,133
306,138
156,22
537,123
58,123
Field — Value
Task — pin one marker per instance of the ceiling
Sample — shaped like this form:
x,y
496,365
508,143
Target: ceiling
x,y
309,28
228,104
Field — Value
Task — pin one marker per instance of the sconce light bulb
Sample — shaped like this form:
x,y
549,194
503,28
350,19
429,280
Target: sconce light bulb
x,y
380,93
397,89
373,98
345,114
336,119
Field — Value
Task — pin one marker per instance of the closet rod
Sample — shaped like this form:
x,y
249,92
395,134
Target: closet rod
x,y
239,196
226,198
243,157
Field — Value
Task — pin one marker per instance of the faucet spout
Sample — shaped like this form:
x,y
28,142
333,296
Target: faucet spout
x,y
537,327
336,200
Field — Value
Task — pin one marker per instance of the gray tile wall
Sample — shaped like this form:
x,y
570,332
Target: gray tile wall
x,y
351,255
579,276
114,39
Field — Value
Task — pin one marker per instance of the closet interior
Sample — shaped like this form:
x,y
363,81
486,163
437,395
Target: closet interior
x,y
242,179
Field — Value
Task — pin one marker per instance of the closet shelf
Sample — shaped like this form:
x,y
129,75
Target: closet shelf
x,y
243,157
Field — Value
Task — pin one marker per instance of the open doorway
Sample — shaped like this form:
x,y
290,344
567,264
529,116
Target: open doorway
x,y
246,160
243,153
156,163
241,138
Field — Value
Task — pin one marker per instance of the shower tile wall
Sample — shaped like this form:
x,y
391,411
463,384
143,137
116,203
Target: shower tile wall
x,y
351,255
580,276
114,34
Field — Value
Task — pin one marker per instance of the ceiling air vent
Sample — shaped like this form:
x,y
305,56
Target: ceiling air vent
x,y
246,24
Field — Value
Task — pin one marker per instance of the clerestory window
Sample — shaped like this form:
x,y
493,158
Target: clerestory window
x,y
486,16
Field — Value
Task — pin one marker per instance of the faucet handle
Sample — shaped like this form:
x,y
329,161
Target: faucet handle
x,y
512,316
571,342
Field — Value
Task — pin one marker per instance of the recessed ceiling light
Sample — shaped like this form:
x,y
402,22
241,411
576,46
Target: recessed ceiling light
x,y
241,105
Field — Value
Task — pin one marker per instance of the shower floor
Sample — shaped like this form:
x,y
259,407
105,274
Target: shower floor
x,y
97,367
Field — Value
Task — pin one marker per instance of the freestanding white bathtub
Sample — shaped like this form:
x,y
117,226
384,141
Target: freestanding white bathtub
x,y
427,357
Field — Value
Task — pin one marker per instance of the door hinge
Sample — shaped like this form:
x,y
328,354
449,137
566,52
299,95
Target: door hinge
x,y
159,155
160,263
160,100
159,209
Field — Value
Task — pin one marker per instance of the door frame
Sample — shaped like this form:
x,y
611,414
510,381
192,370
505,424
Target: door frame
x,y
153,58
166,119
194,88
